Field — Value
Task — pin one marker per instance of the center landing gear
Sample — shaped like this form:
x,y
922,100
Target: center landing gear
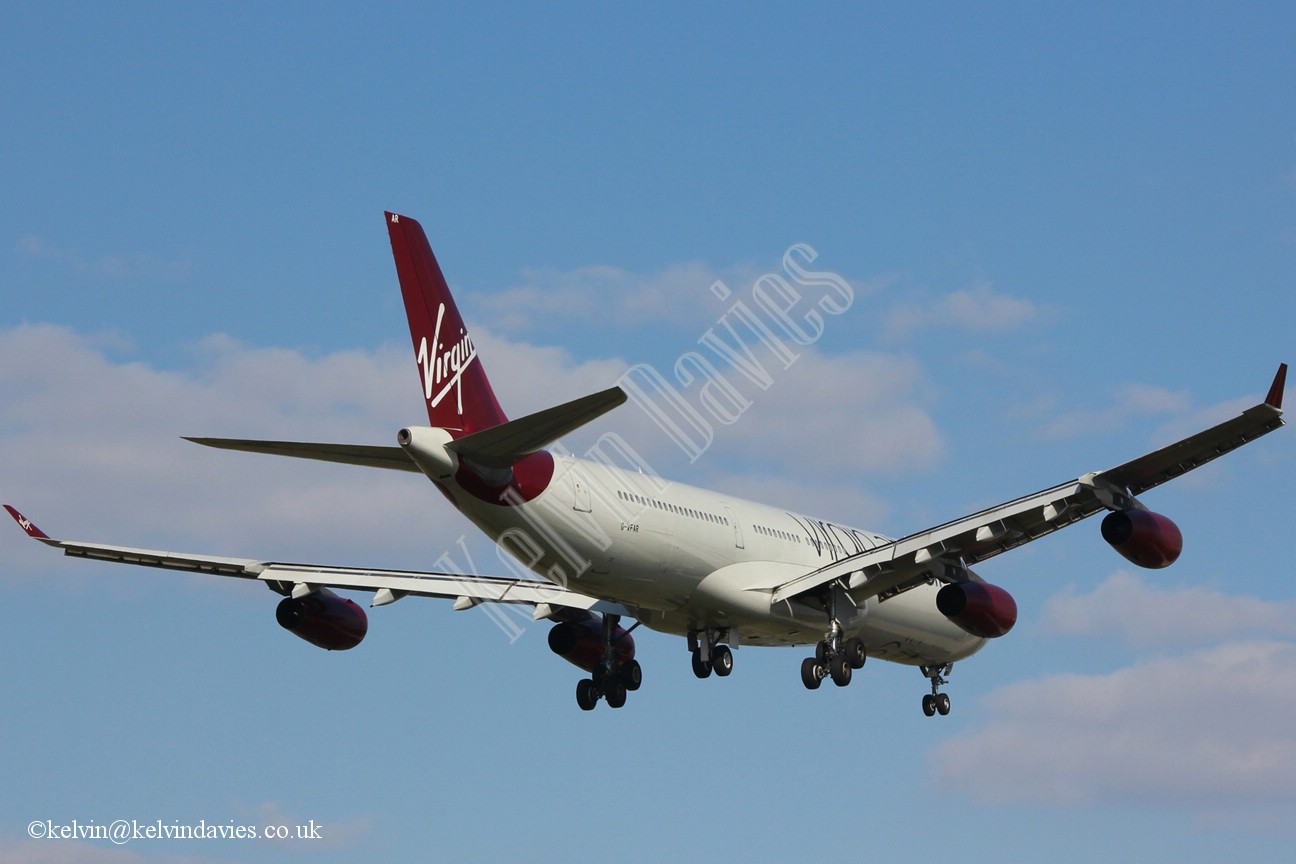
x,y
709,653
936,702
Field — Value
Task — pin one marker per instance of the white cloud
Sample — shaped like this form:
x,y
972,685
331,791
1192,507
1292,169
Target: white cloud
x,y
604,294
1132,401
979,309
64,852
1209,730
92,443
116,267
1126,607
822,416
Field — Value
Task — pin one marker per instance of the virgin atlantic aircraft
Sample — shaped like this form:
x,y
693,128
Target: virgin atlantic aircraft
x,y
612,543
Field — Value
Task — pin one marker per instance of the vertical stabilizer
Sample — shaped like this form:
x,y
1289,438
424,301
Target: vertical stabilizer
x,y
455,387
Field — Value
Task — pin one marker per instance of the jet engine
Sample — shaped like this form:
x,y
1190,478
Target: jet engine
x,y
980,608
323,619
1145,538
581,643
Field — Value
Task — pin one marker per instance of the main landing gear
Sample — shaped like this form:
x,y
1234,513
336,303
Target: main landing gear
x,y
834,657
610,686
936,702
710,654
612,677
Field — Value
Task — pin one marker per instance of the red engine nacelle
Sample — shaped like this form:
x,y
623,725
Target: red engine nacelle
x,y
1145,538
581,643
980,608
323,619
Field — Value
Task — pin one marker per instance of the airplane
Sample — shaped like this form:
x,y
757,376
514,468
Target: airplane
x,y
611,542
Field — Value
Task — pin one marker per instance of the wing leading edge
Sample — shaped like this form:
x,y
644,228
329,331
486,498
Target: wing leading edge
x,y
944,552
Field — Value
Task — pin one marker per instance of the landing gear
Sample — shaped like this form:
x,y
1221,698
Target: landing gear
x,y
611,678
838,663
834,657
710,654
936,702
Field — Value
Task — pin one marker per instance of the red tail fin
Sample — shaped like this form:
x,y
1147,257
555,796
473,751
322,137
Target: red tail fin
x,y
458,394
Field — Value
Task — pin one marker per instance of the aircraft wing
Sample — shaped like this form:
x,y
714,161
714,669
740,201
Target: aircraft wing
x,y
944,551
389,585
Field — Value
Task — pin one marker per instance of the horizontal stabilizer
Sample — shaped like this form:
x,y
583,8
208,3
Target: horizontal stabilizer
x,y
501,446
393,458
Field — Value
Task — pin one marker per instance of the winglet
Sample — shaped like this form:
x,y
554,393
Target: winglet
x,y
1274,399
26,524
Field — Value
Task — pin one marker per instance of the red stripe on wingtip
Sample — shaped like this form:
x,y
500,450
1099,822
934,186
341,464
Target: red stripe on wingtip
x,y
1274,398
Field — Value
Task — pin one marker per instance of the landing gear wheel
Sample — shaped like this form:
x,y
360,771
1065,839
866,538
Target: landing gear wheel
x,y
701,668
632,675
854,652
942,704
840,671
616,693
929,705
821,653
586,695
810,673
722,660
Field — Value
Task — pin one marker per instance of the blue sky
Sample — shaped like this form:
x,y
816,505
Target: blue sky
x,y
1072,237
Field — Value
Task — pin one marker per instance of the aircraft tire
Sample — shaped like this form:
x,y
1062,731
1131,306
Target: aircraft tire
x,y
586,697
810,673
722,660
632,675
855,652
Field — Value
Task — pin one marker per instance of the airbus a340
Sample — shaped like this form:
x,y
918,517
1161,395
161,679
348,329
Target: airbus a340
x,y
613,544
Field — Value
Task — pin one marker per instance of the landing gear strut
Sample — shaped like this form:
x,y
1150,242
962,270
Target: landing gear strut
x,y
936,702
710,654
834,657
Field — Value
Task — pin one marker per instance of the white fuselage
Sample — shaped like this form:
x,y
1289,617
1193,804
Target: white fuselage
x,y
688,559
